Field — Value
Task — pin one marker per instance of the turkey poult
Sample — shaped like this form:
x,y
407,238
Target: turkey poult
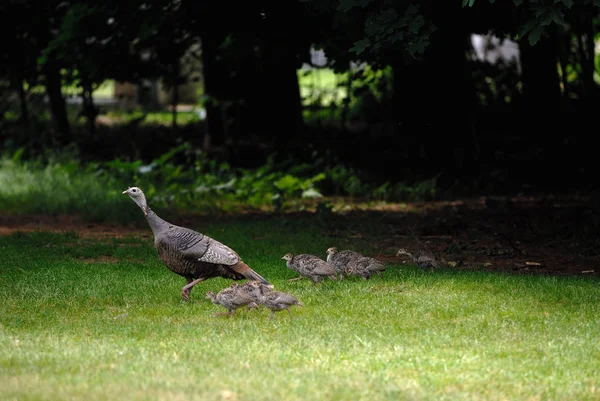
x,y
271,299
424,259
365,267
231,298
248,290
309,266
340,259
190,254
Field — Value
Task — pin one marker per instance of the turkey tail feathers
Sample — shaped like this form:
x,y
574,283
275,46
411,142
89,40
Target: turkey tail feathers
x,y
242,268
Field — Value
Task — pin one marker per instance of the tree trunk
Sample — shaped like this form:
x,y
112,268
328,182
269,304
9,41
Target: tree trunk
x,y
541,88
541,123
175,100
434,98
541,85
213,78
89,109
51,72
274,110
564,44
588,56
347,99
57,102
24,117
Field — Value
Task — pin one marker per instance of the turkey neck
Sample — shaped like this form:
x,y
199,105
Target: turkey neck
x,y
154,221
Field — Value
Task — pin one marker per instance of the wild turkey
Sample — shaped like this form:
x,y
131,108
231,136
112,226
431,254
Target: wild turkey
x,y
273,300
424,259
365,267
190,254
309,266
231,298
340,259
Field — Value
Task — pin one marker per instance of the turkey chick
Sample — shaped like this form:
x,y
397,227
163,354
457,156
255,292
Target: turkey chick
x,y
310,266
423,258
273,300
340,259
231,298
365,267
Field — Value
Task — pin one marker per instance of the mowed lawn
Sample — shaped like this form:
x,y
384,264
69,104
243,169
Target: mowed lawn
x,y
102,319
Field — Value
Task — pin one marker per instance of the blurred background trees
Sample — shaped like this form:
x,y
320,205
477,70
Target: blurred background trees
x,y
482,95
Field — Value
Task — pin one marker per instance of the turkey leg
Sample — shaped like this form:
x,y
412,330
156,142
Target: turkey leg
x,y
185,291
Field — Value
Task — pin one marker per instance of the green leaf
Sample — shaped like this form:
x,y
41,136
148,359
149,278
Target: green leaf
x,y
535,34
319,177
362,3
411,10
417,47
347,5
416,24
567,3
388,16
518,2
469,3
287,183
548,15
360,46
41,60
396,37
17,155
527,27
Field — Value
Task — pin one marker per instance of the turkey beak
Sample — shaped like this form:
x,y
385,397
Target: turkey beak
x,y
124,192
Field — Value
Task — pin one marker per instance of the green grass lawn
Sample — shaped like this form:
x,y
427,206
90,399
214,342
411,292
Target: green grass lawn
x,y
85,319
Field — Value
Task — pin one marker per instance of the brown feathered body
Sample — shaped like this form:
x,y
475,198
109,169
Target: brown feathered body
x,y
423,258
193,255
365,267
231,299
271,299
310,266
340,259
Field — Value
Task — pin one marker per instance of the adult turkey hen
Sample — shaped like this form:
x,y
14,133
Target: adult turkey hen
x,y
190,254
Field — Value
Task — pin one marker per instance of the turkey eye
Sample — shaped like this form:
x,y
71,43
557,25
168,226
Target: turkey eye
x,y
134,190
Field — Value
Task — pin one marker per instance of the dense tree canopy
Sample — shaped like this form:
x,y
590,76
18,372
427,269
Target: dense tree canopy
x,y
251,52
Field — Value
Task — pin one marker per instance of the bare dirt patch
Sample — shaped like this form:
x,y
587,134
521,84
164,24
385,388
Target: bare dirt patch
x,y
29,223
558,235
550,234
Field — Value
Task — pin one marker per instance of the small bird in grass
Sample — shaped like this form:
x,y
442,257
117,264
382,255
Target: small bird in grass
x,y
190,254
340,259
310,266
231,298
274,300
423,258
248,290
365,267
